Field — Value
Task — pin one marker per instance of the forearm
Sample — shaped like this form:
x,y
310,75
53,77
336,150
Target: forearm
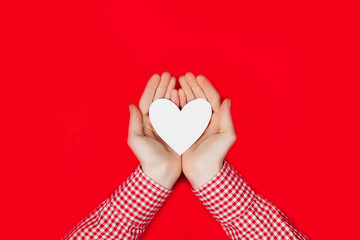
x,y
242,213
126,213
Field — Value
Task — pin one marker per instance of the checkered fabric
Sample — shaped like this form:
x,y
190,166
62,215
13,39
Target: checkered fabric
x,y
242,213
126,213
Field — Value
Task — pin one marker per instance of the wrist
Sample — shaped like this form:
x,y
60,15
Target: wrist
x,y
200,174
164,174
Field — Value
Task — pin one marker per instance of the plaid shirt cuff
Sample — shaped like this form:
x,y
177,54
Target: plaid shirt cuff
x,y
126,213
226,195
139,197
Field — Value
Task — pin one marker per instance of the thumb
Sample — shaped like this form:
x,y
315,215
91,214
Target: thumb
x,y
136,122
225,119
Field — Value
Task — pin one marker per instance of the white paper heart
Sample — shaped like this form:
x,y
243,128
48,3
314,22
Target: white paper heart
x,y
180,129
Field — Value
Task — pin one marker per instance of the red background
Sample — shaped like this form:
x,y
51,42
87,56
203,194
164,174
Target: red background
x,y
71,68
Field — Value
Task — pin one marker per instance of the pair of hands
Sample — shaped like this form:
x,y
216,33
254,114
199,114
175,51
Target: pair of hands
x,y
204,159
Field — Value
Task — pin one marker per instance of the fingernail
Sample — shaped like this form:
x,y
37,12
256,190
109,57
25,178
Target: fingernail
x,y
130,107
229,103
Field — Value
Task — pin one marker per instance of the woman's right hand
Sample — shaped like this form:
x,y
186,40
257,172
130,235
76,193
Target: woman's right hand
x,y
204,159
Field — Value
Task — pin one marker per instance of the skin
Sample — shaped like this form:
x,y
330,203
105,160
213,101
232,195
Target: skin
x,y
204,159
157,159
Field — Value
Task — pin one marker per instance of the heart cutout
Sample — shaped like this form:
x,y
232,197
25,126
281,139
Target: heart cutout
x,y
180,129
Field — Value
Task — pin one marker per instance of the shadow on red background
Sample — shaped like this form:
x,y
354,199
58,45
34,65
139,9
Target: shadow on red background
x,y
71,68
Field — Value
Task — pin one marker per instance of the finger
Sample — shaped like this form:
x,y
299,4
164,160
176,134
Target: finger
x,y
135,123
185,86
225,119
182,97
211,94
149,93
196,89
175,97
161,89
170,87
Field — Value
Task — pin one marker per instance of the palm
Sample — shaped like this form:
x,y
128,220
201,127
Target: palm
x,y
156,158
152,144
203,148
204,158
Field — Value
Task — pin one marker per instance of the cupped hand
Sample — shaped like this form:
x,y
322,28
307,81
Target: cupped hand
x,y
204,159
157,159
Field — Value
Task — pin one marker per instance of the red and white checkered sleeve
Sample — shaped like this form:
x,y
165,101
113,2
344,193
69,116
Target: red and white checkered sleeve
x,y
242,213
126,213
